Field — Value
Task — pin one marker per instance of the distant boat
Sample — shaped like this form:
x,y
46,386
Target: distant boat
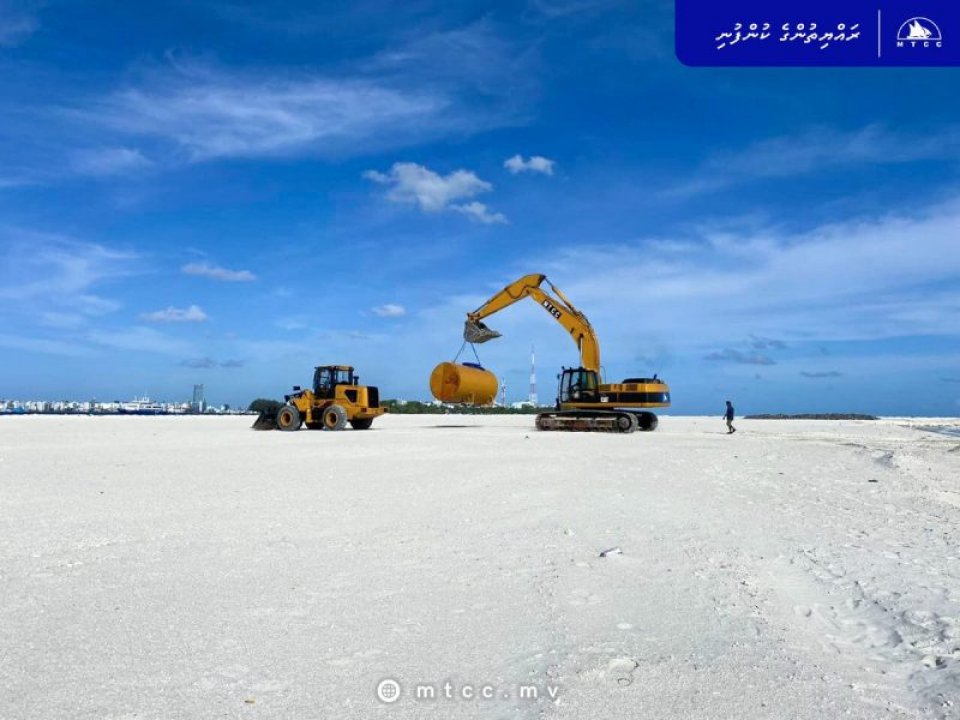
x,y
141,406
918,32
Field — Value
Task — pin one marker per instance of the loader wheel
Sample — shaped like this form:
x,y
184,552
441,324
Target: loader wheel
x,y
361,423
288,418
334,418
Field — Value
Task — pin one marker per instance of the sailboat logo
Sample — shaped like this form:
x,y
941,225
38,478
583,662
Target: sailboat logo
x,y
919,31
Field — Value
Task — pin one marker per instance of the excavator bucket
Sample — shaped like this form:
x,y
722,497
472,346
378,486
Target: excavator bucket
x,y
266,421
476,332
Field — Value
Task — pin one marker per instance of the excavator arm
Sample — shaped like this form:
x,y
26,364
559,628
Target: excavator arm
x,y
559,307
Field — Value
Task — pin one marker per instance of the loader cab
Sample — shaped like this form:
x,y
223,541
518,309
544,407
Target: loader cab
x,y
579,385
327,377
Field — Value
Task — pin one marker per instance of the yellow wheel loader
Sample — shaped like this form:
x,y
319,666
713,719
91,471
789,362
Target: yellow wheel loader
x,y
337,398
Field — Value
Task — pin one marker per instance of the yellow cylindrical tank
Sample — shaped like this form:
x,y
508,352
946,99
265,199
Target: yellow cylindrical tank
x,y
463,383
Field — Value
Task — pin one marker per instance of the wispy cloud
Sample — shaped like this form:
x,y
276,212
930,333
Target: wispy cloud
x,y
818,374
418,185
176,315
200,363
216,272
561,8
535,164
291,323
45,346
758,342
390,311
18,21
209,111
862,279
206,363
736,356
51,273
815,150
140,339
100,162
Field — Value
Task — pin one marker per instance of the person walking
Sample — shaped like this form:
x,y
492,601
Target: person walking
x,y
728,416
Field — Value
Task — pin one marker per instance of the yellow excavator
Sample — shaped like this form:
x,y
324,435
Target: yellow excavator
x,y
584,402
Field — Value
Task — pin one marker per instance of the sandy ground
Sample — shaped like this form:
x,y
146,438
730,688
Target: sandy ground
x,y
190,568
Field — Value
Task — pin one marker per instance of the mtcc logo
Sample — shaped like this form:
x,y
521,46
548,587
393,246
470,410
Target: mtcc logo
x,y
919,32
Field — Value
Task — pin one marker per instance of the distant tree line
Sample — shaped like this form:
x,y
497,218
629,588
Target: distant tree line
x,y
411,407
415,407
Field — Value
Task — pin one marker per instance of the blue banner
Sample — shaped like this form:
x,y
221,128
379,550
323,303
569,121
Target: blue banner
x,y
818,32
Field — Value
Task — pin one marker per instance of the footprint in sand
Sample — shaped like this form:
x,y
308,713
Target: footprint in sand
x,y
580,598
620,671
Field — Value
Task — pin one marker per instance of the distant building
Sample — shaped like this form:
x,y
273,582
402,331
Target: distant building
x,y
532,398
198,404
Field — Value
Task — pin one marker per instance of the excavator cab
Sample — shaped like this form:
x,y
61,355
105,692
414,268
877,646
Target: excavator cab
x,y
578,385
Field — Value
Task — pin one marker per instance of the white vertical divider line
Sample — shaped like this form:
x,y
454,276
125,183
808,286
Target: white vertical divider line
x,y
878,32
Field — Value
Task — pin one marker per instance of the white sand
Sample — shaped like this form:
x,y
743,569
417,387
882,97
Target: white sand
x,y
190,568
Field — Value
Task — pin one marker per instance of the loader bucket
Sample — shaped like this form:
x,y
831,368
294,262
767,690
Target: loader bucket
x,y
266,421
475,331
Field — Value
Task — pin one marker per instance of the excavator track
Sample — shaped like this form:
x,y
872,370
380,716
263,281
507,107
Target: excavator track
x,y
615,421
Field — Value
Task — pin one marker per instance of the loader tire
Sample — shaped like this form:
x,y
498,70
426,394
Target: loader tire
x,y
288,418
334,418
361,423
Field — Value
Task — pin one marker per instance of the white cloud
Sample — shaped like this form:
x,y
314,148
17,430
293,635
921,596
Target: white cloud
x,y
217,273
479,212
536,164
865,279
171,314
431,192
211,113
815,150
108,161
390,311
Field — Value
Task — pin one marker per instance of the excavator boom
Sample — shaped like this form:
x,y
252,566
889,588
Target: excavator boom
x,y
584,403
559,307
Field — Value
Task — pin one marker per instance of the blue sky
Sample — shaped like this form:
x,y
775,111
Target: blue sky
x,y
231,193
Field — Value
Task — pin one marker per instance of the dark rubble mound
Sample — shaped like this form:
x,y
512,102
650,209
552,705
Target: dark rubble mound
x,y
813,416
